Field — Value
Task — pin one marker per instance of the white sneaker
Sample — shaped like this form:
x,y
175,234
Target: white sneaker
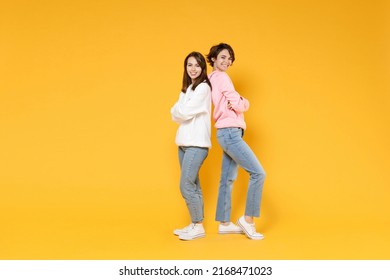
x,y
183,230
249,229
196,231
230,228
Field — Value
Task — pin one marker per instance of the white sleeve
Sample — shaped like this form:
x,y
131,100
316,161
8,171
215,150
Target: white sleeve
x,y
180,100
197,104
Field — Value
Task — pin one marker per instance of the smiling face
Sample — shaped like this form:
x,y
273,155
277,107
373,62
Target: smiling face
x,y
193,68
222,61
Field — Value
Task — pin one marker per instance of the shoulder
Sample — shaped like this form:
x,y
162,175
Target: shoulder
x,y
219,76
203,87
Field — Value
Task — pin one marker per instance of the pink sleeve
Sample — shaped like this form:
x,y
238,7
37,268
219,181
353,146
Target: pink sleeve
x,y
239,103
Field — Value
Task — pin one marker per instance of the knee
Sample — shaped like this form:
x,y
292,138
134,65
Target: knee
x,y
187,184
232,176
259,175
231,180
185,192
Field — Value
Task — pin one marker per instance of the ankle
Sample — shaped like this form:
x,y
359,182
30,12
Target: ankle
x,y
249,219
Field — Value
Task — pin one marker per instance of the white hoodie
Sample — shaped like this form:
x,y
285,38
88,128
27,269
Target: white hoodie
x,y
193,112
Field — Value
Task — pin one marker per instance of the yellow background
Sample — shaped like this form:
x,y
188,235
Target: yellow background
x,y
88,164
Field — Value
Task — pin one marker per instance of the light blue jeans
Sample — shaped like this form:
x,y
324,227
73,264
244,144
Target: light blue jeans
x,y
237,153
191,159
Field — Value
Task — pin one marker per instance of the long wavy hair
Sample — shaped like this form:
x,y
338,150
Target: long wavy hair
x,y
187,81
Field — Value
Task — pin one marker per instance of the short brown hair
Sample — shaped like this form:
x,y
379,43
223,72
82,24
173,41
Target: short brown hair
x,y
215,50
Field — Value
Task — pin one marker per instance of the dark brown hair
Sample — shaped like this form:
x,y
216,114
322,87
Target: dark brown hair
x,y
187,81
215,50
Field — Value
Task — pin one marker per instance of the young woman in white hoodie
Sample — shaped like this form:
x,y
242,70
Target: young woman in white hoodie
x,y
193,112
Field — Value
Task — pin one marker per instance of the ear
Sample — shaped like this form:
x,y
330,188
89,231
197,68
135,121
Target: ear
x,y
212,59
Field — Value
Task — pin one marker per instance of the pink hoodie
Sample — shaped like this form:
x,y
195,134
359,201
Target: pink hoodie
x,y
222,92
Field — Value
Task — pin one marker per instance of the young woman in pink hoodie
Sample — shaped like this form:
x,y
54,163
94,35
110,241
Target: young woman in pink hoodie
x,y
229,108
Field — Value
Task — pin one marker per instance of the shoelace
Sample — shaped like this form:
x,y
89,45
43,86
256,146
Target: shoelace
x,y
253,229
189,227
193,228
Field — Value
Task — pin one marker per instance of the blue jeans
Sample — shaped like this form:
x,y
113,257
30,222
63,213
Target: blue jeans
x,y
191,159
237,153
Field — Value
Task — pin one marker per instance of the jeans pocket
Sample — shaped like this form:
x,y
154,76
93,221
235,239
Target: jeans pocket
x,y
234,136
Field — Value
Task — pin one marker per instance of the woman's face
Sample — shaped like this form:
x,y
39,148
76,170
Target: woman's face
x,y
193,68
223,61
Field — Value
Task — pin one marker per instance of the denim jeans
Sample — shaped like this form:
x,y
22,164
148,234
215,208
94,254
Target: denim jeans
x,y
191,159
237,153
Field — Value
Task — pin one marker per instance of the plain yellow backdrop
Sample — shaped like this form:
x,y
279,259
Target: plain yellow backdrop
x,y
88,164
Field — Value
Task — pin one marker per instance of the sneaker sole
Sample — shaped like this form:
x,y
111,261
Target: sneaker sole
x,y
230,232
192,237
247,234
